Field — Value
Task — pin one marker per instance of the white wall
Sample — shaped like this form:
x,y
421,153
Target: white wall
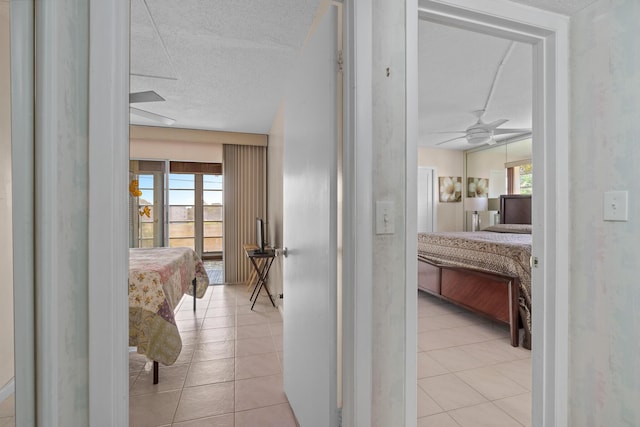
x,y
274,198
176,150
389,161
6,255
187,145
447,163
604,377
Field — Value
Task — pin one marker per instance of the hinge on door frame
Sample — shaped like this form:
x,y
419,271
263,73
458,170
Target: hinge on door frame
x,y
339,417
340,61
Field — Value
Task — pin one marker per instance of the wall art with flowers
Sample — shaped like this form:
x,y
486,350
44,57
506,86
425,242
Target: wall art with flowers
x,y
450,188
477,187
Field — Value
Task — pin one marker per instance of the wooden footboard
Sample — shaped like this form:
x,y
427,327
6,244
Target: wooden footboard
x,y
490,294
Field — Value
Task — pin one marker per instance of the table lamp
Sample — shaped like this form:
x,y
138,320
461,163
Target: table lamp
x,y
493,204
474,205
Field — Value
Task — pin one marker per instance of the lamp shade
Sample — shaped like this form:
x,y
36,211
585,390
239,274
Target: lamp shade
x,y
493,204
475,203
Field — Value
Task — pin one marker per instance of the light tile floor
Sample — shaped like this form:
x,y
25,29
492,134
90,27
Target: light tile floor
x,y
230,370
468,373
228,374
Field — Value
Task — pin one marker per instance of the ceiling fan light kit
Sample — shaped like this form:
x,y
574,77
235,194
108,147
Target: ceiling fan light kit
x,y
479,139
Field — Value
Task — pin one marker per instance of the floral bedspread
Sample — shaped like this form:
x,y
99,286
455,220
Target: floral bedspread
x,y
158,278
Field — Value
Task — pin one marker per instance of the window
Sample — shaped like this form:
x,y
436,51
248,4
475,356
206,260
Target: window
x,y
182,230
146,220
520,177
194,206
526,176
212,213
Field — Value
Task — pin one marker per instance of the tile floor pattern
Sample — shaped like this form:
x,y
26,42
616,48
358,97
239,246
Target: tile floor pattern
x,y
228,374
468,373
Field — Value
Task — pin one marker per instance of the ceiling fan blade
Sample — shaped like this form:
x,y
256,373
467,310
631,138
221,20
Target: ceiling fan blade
x,y
147,96
152,116
496,123
452,139
449,131
505,131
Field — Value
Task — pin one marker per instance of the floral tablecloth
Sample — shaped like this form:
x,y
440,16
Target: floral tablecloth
x,y
158,278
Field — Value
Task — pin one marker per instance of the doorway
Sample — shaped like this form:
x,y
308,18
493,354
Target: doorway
x,y
547,33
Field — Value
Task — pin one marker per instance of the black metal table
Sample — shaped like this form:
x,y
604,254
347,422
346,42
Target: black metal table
x,y
262,271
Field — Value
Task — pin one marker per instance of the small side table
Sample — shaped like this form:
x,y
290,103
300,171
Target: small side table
x,y
261,262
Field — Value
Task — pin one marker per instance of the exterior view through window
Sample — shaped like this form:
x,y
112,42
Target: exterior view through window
x,y
182,230
178,209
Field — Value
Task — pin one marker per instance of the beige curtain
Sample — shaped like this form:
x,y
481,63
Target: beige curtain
x,y
245,183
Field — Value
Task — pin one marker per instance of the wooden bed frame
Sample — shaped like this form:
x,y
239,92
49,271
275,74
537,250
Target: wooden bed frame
x,y
492,295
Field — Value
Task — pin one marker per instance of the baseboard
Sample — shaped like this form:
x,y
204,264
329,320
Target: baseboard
x,y
8,389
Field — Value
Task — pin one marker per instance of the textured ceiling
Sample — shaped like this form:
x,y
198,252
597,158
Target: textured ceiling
x,y
456,70
223,65
220,65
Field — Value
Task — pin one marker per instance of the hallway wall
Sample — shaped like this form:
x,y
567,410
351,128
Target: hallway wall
x,y
604,377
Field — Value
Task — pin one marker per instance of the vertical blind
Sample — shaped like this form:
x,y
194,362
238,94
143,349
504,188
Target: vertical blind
x,y
245,181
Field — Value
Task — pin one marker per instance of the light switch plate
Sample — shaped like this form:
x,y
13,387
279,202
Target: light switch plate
x,y
385,213
615,206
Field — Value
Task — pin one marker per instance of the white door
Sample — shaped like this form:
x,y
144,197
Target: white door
x,y
310,230
426,198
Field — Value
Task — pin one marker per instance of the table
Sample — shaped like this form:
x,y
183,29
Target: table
x,y
261,262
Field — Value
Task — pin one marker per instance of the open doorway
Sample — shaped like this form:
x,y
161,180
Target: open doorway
x,y
550,126
467,367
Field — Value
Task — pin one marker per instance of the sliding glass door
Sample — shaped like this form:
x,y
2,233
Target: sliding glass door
x,y
146,203
190,194
212,214
182,210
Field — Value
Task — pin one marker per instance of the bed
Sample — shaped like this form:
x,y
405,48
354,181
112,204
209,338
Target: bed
x,y
487,272
158,278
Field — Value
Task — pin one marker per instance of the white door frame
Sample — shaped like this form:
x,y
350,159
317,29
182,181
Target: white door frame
x,y
548,33
108,303
108,145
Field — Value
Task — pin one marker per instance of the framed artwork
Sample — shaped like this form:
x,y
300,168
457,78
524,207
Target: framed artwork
x,y
477,187
450,188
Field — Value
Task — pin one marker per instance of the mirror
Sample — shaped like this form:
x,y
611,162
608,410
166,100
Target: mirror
x,y
507,169
491,162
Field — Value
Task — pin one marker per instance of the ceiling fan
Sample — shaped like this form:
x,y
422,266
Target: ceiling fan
x,y
484,133
148,96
